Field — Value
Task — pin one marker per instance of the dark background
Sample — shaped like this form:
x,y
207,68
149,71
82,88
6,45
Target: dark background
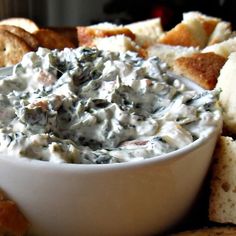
x,y
85,12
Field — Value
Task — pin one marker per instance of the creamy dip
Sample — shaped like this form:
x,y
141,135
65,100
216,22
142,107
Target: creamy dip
x,y
94,107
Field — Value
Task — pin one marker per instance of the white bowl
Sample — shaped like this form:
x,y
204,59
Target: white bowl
x,y
136,198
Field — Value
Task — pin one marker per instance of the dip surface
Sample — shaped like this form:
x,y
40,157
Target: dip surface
x,y
95,107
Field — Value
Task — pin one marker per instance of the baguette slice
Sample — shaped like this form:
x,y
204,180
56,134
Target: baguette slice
x,y
227,83
23,34
146,32
12,48
222,205
21,22
202,68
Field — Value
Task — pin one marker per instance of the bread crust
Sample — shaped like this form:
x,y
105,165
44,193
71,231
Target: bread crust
x,y
23,34
86,35
202,68
222,202
12,48
12,221
50,39
21,22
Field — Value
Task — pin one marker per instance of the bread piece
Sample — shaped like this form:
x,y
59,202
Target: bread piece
x,y
146,32
52,40
213,231
224,48
221,33
202,68
86,35
12,221
12,48
222,204
189,33
23,34
208,22
169,54
118,43
23,23
68,32
227,83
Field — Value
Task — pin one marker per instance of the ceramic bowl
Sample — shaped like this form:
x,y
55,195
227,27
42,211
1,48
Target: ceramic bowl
x,y
136,198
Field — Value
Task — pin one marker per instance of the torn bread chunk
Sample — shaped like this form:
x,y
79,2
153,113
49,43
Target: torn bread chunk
x,y
118,43
87,34
202,68
227,84
222,202
208,22
146,32
12,221
221,33
169,53
224,48
188,33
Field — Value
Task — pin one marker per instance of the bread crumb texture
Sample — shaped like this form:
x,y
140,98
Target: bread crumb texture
x,y
222,205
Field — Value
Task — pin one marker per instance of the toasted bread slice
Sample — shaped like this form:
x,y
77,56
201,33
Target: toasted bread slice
x,y
118,43
224,48
208,22
212,231
202,68
12,221
169,53
221,33
24,23
23,34
146,32
12,48
227,83
86,35
222,204
52,40
68,32
190,33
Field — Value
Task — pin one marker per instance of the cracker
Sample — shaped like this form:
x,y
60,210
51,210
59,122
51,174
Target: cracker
x,y
50,39
12,48
21,22
23,34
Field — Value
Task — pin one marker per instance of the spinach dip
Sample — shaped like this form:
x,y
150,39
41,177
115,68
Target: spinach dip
x,y
87,106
